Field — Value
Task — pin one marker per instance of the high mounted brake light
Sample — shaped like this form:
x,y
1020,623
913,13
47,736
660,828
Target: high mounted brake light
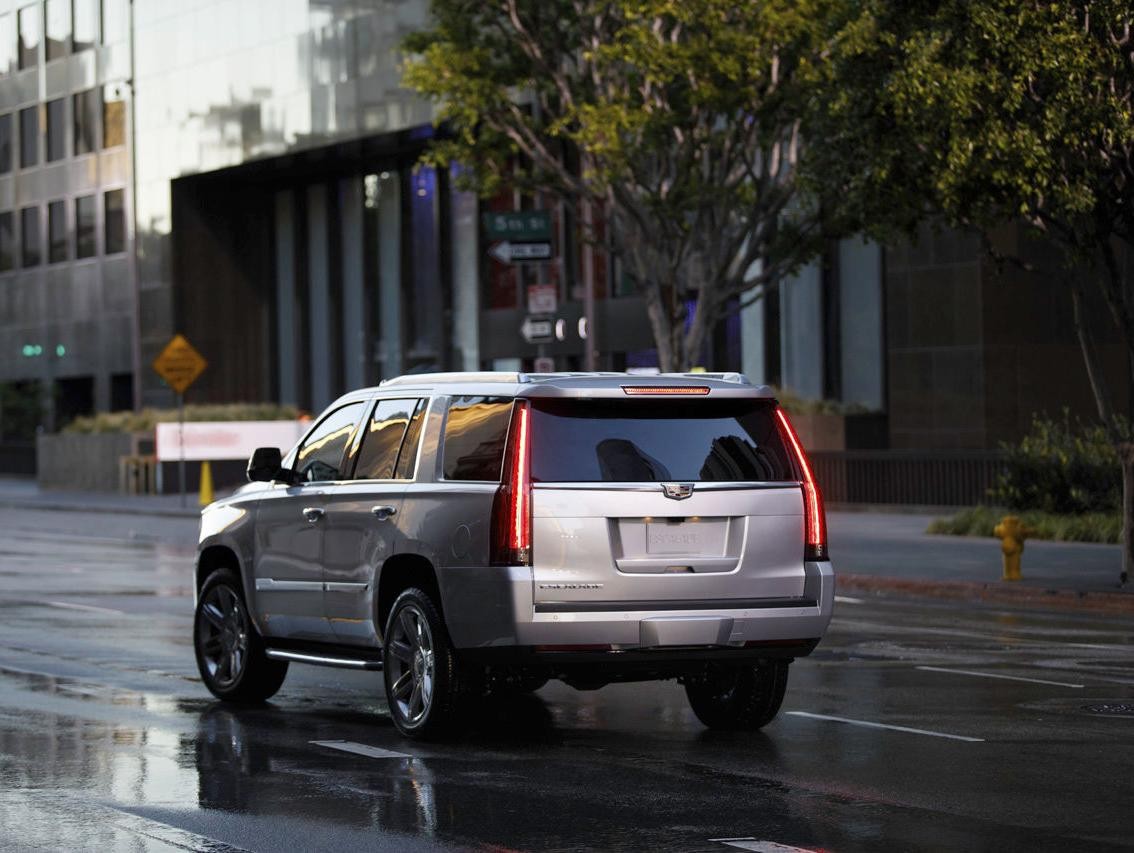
x,y
511,543
815,517
664,390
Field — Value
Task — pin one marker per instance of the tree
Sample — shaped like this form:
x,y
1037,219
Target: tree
x,y
984,111
680,121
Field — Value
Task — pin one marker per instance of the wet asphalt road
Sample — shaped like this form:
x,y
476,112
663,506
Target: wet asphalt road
x,y
109,742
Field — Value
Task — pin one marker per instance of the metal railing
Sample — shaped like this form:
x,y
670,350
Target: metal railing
x,y
912,477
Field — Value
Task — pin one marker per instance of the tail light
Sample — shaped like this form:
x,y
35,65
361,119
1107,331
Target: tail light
x,y
511,543
815,526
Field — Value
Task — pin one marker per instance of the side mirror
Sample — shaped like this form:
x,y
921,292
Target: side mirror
x,y
265,465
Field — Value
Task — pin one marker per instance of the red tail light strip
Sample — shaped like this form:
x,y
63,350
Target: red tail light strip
x,y
511,542
815,538
663,390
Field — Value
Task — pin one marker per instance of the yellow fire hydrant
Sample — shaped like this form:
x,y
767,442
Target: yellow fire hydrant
x,y
1011,532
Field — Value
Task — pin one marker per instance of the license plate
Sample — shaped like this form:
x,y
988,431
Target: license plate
x,y
685,538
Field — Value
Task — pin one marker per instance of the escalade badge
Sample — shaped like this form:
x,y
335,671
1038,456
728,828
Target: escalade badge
x,y
677,491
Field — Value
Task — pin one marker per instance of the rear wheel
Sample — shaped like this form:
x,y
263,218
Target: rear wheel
x,y
739,698
419,667
230,653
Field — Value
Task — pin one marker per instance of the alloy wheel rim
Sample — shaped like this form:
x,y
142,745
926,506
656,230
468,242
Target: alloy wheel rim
x,y
223,635
410,665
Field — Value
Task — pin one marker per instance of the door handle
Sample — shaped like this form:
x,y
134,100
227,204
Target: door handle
x,y
313,513
383,512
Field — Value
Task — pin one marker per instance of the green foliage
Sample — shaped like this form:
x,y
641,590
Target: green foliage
x,y
21,410
680,121
1061,466
144,421
796,405
1089,527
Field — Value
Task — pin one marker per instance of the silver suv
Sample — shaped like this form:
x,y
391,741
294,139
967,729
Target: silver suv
x,y
469,533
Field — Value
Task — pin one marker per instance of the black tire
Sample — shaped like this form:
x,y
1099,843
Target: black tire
x,y
744,698
230,652
420,669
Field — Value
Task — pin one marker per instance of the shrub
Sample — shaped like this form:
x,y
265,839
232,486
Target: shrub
x,y
1061,466
1087,527
144,420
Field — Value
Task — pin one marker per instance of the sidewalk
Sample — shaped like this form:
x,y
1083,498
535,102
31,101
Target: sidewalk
x,y
873,552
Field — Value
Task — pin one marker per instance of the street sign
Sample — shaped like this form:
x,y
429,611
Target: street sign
x,y
179,364
543,298
518,225
537,331
507,252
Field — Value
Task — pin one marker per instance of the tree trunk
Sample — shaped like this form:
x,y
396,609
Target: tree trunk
x,y
661,324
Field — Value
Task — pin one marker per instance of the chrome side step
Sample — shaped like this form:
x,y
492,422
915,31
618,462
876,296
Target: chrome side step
x,y
325,660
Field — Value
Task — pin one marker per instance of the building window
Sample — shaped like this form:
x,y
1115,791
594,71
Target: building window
x,y
7,241
85,25
30,30
57,19
115,21
56,232
56,131
5,143
31,251
85,227
113,116
7,45
85,106
29,137
115,213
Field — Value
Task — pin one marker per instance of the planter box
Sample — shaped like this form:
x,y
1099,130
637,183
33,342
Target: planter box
x,y
841,432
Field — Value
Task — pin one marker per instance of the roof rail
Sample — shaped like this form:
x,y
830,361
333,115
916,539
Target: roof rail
x,y
438,378
738,378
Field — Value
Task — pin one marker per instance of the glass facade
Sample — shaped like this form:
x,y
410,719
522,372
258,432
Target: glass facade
x,y
60,291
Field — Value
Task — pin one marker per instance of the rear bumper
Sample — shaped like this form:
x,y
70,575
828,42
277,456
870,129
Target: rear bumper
x,y
492,608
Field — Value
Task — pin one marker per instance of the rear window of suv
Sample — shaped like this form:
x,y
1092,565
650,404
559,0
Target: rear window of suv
x,y
635,441
475,431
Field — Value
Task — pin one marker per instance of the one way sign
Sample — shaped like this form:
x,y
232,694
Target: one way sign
x,y
508,253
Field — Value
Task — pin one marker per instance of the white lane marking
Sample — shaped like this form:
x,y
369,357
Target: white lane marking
x,y
758,846
66,605
997,675
360,749
846,599
870,725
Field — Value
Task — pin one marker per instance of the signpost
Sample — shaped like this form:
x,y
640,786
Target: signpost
x,y
523,225
543,298
179,364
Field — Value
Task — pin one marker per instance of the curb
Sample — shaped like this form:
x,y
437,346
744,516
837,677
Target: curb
x,y
991,592
167,512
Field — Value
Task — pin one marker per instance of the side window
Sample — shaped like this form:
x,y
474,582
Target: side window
x,y
407,458
382,439
475,432
322,454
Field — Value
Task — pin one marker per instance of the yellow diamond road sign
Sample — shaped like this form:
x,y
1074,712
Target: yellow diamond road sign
x,y
179,364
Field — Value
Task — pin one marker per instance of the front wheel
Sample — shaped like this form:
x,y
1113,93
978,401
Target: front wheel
x,y
743,698
230,653
419,667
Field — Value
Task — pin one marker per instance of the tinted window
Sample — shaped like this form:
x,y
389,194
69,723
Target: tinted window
x,y
85,107
6,143
383,439
58,20
30,249
85,212
56,232
85,24
322,454
7,241
29,36
407,459
651,441
29,136
56,131
475,431
7,44
115,222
